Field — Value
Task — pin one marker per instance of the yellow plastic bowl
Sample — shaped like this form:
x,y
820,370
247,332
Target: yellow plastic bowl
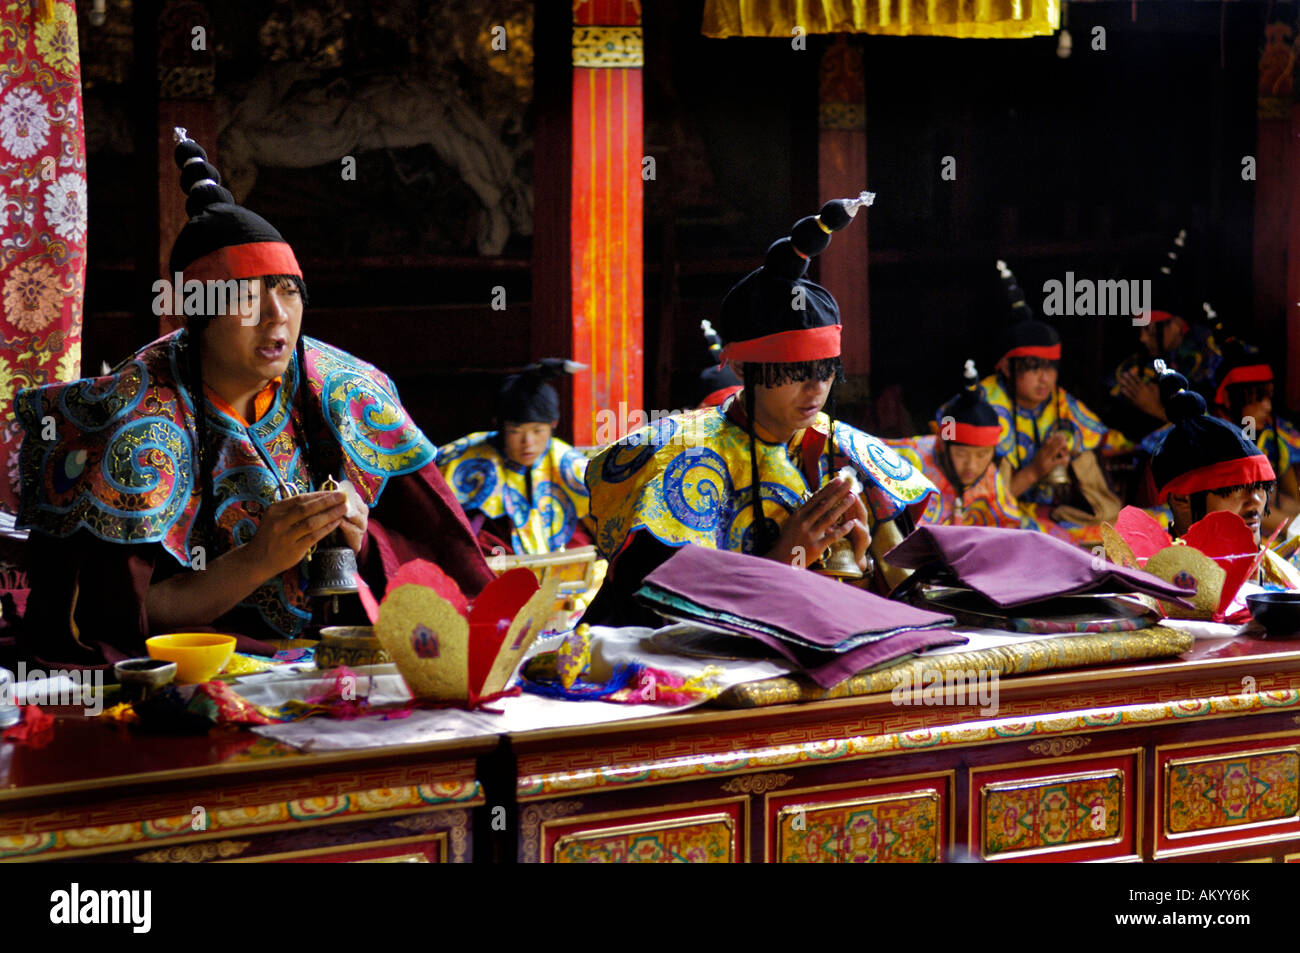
x,y
198,655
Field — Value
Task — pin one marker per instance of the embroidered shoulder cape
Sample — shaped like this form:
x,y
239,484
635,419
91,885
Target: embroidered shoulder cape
x,y
114,456
687,479
487,481
988,503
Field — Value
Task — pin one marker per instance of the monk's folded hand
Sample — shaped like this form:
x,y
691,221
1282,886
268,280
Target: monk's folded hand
x,y
1054,452
1142,393
810,529
291,527
859,535
354,529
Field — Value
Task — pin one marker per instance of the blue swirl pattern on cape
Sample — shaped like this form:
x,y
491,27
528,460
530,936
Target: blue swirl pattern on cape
x,y
687,479
114,456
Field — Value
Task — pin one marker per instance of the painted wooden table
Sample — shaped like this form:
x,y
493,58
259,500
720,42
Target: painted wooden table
x,y
1193,758
97,792
1196,758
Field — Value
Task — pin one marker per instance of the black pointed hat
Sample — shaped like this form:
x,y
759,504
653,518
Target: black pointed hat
x,y
1242,364
1169,296
528,397
222,239
717,382
973,419
1025,335
774,315
1201,452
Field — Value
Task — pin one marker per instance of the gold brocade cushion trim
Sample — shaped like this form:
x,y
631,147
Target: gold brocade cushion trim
x,y
608,46
984,19
1018,658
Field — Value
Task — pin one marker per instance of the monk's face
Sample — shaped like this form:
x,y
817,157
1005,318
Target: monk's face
x,y
1161,337
1035,381
780,411
1258,406
1246,502
254,346
525,443
969,462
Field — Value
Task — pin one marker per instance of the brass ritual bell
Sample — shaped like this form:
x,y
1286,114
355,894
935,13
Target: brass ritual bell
x,y
837,561
1058,482
331,566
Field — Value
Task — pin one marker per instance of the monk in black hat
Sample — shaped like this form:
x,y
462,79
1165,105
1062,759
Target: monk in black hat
x,y
1206,464
184,489
960,459
757,474
1174,330
1243,395
1046,431
521,486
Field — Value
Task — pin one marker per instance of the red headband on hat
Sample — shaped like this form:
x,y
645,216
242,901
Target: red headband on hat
x,y
787,347
974,434
1049,352
1246,374
1243,470
252,260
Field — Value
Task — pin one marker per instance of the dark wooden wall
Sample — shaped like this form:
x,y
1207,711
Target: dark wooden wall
x,y
1087,164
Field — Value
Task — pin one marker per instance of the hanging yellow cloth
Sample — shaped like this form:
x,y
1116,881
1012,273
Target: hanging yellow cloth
x,y
978,19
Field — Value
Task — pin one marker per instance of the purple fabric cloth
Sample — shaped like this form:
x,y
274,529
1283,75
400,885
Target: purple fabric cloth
x,y
816,622
1011,567
834,667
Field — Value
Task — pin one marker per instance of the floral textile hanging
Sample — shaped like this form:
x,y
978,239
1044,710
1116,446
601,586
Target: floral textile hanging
x,y
42,209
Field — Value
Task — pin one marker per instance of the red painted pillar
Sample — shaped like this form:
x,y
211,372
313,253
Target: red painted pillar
x,y
842,173
605,227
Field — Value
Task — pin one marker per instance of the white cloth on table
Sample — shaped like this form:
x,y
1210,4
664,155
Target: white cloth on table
x,y
380,684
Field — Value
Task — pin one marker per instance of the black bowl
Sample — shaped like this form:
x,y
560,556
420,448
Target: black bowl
x,y
1277,612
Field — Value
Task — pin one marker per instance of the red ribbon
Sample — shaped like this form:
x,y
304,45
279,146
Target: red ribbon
x,y
1247,374
252,260
1046,352
974,434
787,347
1243,470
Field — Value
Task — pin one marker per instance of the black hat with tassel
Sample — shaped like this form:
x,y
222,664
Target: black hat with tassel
x,y
969,418
718,381
222,240
528,397
1025,336
776,318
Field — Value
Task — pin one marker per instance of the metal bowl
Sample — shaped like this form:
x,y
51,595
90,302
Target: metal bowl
x,y
142,677
349,645
1277,612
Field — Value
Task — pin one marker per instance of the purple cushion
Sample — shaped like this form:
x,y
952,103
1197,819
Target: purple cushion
x,y
1011,567
823,626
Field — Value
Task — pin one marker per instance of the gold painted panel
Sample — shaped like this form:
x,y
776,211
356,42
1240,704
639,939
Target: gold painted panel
x,y
890,828
1232,790
702,839
1044,815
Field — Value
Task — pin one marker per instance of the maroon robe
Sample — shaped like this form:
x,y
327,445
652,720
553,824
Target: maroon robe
x,y
83,586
